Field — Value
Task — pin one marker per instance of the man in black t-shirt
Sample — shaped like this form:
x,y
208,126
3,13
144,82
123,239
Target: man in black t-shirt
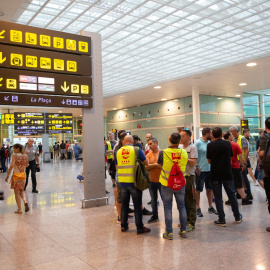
x,y
219,154
63,150
266,179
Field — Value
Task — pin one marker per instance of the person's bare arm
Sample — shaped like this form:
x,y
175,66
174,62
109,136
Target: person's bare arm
x,y
192,161
261,154
241,161
26,161
11,167
246,154
152,166
145,162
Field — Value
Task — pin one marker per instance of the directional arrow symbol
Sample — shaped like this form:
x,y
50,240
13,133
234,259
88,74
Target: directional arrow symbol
x,y
63,101
1,33
65,88
2,60
6,98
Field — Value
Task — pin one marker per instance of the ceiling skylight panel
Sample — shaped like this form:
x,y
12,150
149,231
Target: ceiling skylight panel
x,y
51,11
41,19
36,5
26,16
59,23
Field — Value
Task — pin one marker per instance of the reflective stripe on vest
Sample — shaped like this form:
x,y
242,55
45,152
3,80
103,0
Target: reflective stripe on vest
x,y
126,161
109,156
239,142
174,155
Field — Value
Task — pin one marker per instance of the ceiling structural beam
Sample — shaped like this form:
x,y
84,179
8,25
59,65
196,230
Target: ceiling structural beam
x,y
38,11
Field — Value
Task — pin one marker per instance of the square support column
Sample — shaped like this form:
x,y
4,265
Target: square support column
x,y
196,112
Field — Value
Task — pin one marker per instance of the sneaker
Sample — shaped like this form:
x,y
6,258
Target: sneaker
x,y
124,229
250,197
146,212
130,211
212,210
149,203
239,219
228,202
34,191
199,212
153,219
168,236
246,201
144,230
190,228
268,229
220,223
183,234
118,220
107,192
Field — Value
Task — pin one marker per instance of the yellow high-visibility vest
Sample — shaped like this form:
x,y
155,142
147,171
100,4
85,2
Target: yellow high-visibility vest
x,y
109,156
126,160
175,155
239,142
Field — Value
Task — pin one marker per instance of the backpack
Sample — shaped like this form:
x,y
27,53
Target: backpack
x,y
6,153
56,147
141,177
176,178
265,162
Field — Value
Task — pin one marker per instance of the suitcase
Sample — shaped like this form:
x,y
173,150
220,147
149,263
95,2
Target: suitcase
x,y
69,155
2,195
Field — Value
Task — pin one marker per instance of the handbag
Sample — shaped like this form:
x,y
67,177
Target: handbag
x,y
19,176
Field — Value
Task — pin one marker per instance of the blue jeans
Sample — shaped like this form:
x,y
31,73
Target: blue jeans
x,y
136,195
167,198
229,188
154,188
246,181
3,163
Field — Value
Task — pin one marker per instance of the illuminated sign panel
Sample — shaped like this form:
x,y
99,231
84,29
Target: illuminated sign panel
x,y
59,122
45,68
8,118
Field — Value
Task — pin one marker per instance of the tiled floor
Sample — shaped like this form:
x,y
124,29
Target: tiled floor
x,y
58,234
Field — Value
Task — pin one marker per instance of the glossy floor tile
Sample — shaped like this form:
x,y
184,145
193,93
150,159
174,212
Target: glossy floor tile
x,y
58,234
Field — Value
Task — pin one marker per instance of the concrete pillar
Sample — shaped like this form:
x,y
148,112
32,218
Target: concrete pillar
x,y
45,143
93,134
242,106
196,111
262,110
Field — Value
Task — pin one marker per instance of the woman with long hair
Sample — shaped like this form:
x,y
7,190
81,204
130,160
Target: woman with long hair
x,y
19,163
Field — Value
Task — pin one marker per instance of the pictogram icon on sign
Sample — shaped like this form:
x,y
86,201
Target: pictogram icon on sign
x,y
72,66
75,88
45,63
6,98
58,43
15,98
31,61
11,83
68,101
31,38
1,33
59,64
45,41
15,36
83,46
1,79
16,59
71,44
2,60
65,88
85,89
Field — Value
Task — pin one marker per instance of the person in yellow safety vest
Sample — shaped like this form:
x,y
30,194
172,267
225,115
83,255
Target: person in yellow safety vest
x,y
166,159
243,143
125,163
109,154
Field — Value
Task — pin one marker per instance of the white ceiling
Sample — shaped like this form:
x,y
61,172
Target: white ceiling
x,y
165,42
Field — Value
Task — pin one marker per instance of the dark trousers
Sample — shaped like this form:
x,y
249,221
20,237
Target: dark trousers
x,y
190,200
3,164
229,188
32,167
244,175
136,195
266,181
154,188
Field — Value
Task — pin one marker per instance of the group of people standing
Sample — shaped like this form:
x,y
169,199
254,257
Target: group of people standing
x,y
66,150
215,160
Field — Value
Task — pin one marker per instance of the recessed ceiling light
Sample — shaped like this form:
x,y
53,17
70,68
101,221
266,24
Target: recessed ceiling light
x,y
252,64
122,96
125,109
157,87
238,95
114,109
80,114
163,99
60,111
242,84
219,98
175,100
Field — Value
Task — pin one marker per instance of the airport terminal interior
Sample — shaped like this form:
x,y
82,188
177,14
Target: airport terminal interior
x,y
78,74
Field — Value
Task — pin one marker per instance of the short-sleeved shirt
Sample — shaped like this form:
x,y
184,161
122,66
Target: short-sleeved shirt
x,y
192,153
244,141
202,161
154,173
236,151
262,148
220,153
31,152
138,145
